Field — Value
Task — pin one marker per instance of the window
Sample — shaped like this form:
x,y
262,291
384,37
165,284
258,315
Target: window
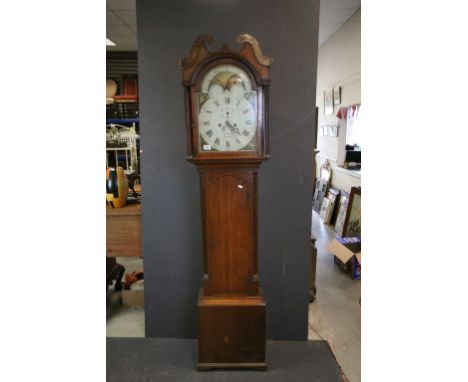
x,y
349,139
353,131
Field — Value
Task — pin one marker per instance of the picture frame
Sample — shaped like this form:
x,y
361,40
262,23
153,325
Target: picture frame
x,y
324,210
337,95
329,213
328,101
332,131
341,213
329,130
319,195
352,223
334,196
321,186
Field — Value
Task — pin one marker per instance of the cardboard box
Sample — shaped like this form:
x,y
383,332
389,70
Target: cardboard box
x,y
352,267
347,251
133,298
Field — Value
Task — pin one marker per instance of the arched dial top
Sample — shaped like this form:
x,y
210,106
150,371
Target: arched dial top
x,y
227,105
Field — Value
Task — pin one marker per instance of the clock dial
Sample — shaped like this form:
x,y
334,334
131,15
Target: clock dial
x,y
227,118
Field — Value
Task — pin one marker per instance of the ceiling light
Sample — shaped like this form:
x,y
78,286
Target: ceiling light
x,y
109,42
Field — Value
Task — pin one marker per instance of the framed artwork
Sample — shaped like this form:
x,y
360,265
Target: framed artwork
x,y
321,186
328,101
324,210
319,195
337,95
334,196
352,224
329,213
341,214
329,130
332,130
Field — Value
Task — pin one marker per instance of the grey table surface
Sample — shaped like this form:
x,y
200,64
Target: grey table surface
x,y
164,359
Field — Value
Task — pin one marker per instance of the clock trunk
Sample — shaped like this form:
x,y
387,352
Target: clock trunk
x,y
229,212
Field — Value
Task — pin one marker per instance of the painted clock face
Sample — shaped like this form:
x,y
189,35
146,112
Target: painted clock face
x,y
227,118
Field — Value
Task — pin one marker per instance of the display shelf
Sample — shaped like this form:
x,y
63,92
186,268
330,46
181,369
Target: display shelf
x,y
122,120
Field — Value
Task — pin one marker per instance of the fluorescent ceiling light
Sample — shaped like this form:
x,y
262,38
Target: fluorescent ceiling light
x,y
109,42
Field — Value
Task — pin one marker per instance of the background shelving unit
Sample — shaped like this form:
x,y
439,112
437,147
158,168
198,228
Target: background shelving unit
x,y
123,111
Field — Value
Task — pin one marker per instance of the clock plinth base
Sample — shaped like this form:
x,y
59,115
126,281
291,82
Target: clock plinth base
x,y
231,332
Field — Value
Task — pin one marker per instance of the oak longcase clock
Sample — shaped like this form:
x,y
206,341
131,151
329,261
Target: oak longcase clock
x,y
226,101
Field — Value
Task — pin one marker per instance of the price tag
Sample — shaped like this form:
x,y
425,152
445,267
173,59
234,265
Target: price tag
x,y
206,147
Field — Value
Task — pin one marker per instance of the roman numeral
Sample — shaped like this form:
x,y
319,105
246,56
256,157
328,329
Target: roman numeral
x,y
206,123
216,103
227,99
228,144
208,111
246,133
246,111
217,141
209,133
249,122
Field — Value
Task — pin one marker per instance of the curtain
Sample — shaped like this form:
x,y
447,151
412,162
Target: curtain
x,y
351,115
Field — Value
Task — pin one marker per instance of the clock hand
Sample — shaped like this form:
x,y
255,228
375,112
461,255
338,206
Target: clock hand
x,y
226,126
229,125
232,128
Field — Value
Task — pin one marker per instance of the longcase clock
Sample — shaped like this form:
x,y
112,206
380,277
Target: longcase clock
x,y
226,101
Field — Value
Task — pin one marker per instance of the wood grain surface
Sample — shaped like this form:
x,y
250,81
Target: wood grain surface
x,y
123,231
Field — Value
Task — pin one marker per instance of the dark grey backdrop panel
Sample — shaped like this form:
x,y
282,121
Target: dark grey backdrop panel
x,y
287,31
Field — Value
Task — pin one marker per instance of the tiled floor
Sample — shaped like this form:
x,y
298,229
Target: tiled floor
x,y
124,322
334,316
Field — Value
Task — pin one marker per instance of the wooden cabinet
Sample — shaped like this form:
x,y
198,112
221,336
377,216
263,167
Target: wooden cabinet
x,y
123,231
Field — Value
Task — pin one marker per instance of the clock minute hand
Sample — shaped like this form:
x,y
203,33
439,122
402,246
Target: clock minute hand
x,y
234,129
